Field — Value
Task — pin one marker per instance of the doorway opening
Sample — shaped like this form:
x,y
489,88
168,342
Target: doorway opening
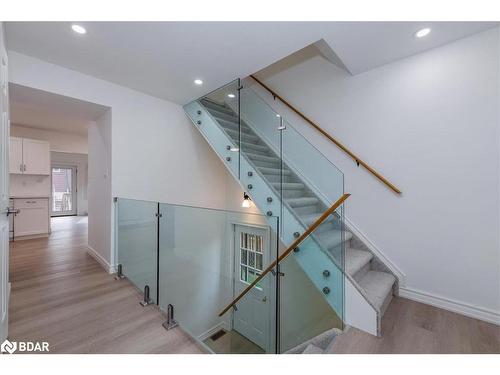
x,y
64,190
51,138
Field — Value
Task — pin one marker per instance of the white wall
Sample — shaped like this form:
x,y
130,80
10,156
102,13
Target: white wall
x,y
155,152
430,124
59,141
99,187
80,161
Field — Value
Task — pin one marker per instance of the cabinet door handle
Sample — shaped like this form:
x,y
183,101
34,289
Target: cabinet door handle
x,y
21,167
24,167
11,211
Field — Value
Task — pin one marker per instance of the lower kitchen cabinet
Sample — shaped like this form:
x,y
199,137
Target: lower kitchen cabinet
x,y
32,218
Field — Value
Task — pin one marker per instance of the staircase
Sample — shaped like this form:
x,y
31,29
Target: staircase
x,y
271,182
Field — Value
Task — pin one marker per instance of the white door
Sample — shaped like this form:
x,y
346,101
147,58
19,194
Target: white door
x,y
36,157
251,256
63,190
4,196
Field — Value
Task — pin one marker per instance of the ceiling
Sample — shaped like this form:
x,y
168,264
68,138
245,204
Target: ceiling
x,y
163,58
42,110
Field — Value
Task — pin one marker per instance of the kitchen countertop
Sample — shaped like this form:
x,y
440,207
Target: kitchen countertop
x,y
29,196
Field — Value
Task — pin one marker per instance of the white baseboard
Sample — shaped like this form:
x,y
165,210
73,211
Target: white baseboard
x,y
480,313
378,253
205,335
103,262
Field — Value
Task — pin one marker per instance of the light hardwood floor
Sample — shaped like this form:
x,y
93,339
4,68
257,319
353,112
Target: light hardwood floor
x,y
63,296
412,328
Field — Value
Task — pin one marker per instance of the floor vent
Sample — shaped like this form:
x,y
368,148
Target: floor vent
x,y
217,335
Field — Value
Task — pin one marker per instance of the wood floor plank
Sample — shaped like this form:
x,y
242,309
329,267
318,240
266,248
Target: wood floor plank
x,y
61,295
410,327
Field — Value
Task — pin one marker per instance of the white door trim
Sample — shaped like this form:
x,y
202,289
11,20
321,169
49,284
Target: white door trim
x,y
272,286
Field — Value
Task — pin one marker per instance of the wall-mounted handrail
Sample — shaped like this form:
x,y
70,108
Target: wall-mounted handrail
x,y
332,139
288,251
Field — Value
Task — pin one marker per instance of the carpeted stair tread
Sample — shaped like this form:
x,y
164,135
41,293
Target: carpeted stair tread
x,y
261,157
356,259
302,202
246,145
216,106
233,126
312,349
275,171
310,219
289,185
224,116
244,136
333,238
323,341
377,286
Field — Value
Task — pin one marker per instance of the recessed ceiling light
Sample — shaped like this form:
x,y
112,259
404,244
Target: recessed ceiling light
x,y
198,82
422,32
277,115
231,96
78,29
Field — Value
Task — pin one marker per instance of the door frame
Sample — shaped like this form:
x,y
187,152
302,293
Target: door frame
x,y
272,285
5,284
74,188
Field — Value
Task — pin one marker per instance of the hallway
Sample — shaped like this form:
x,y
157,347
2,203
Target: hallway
x,y
61,295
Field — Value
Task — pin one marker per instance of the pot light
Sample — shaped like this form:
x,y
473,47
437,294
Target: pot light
x,y
78,29
422,32
246,201
277,115
231,96
198,82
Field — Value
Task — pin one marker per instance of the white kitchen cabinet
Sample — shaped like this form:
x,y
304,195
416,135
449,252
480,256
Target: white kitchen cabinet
x,y
16,155
36,156
32,218
29,156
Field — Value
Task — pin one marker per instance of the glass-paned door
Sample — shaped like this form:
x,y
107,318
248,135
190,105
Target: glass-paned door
x,y
63,190
252,317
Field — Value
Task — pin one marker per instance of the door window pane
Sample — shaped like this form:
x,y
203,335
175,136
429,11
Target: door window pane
x,y
251,257
243,256
62,190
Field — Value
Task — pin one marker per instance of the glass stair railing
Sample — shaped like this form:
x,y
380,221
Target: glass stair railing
x,y
195,260
285,176
191,262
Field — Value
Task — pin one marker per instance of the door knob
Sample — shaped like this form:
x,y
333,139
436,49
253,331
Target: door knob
x,y
264,299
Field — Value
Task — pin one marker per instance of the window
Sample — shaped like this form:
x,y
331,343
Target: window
x,y
251,256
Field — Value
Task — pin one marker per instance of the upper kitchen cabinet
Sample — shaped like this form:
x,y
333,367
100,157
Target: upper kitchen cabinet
x,y
29,156
36,156
16,155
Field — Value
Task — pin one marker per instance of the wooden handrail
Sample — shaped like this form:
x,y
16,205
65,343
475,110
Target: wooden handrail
x,y
288,251
335,141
